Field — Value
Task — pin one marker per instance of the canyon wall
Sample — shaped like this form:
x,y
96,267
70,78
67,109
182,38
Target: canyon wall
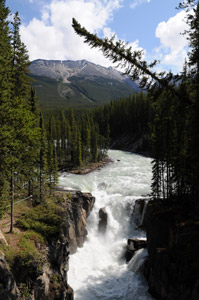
x,y
172,267
50,282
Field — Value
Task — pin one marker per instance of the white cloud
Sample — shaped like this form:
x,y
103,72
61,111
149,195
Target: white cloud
x,y
138,2
173,45
52,36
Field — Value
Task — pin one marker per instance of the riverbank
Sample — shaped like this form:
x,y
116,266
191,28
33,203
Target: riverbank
x,y
88,168
138,144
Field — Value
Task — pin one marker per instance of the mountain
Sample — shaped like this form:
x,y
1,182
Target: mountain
x,y
62,84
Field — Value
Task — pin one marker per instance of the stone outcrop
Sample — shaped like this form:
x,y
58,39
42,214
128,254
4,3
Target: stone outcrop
x,y
103,218
133,245
138,219
51,281
77,212
139,212
8,287
172,267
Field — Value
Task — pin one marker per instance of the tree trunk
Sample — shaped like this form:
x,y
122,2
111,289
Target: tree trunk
x,y
12,203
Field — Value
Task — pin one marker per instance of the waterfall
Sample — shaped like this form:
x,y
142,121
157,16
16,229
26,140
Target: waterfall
x,y
143,213
98,270
137,260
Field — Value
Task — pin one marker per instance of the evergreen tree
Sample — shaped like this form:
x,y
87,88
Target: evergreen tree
x,y
175,143
20,62
42,161
19,131
51,158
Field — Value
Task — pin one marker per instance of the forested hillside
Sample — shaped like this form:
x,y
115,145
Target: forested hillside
x,y
162,121
84,136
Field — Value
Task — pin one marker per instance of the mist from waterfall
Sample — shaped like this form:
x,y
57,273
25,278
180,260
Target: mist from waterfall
x,y
98,270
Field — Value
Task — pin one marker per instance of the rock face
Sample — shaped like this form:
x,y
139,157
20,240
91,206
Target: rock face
x,y
80,83
82,204
140,212
66,69
138,219
172,267
51,284
103,216
8,288
132,246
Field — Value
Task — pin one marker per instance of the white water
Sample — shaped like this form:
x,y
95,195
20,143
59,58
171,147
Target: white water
x,y
97,270
137,261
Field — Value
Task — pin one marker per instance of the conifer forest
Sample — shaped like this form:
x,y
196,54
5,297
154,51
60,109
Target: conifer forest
x,y
33,149
174,101
161,120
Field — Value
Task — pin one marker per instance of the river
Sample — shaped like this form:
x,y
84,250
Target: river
x,y
98,271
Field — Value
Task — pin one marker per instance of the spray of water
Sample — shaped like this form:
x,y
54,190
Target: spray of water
x,y
98,271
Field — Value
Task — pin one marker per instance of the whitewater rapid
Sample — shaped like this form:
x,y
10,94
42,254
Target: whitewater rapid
x,y
98,270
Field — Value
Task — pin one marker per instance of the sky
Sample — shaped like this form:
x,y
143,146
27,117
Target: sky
x,y
155,26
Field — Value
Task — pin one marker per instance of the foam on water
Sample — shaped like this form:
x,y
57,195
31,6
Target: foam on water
x,y
97,270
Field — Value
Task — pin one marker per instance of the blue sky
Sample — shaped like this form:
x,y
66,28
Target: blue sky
x,y
151,25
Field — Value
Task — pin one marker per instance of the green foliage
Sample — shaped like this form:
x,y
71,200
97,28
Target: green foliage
x,y
9,253
23,144
25,291
82,138
130,116
45,219
20,62
4,192
132,61
20,135
175,125
26,259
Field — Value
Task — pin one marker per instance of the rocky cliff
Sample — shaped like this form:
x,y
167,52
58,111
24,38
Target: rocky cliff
x,y
49,280
172,267
64,70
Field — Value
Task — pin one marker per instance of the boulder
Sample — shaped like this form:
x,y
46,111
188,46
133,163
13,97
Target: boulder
x,y
132,246
103,216
102,186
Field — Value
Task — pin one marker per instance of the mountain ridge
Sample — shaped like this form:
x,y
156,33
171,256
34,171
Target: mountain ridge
x,y
62,84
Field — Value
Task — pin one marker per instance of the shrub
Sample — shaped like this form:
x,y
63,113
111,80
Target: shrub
x,y
45,219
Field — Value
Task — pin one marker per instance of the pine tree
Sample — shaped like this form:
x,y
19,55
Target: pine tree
x,y
19,132
5,89
63,137
176,145
42,161
51,158
20,62
94,143
78,152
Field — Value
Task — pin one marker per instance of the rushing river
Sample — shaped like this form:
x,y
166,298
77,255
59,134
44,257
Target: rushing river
x,y
98,271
